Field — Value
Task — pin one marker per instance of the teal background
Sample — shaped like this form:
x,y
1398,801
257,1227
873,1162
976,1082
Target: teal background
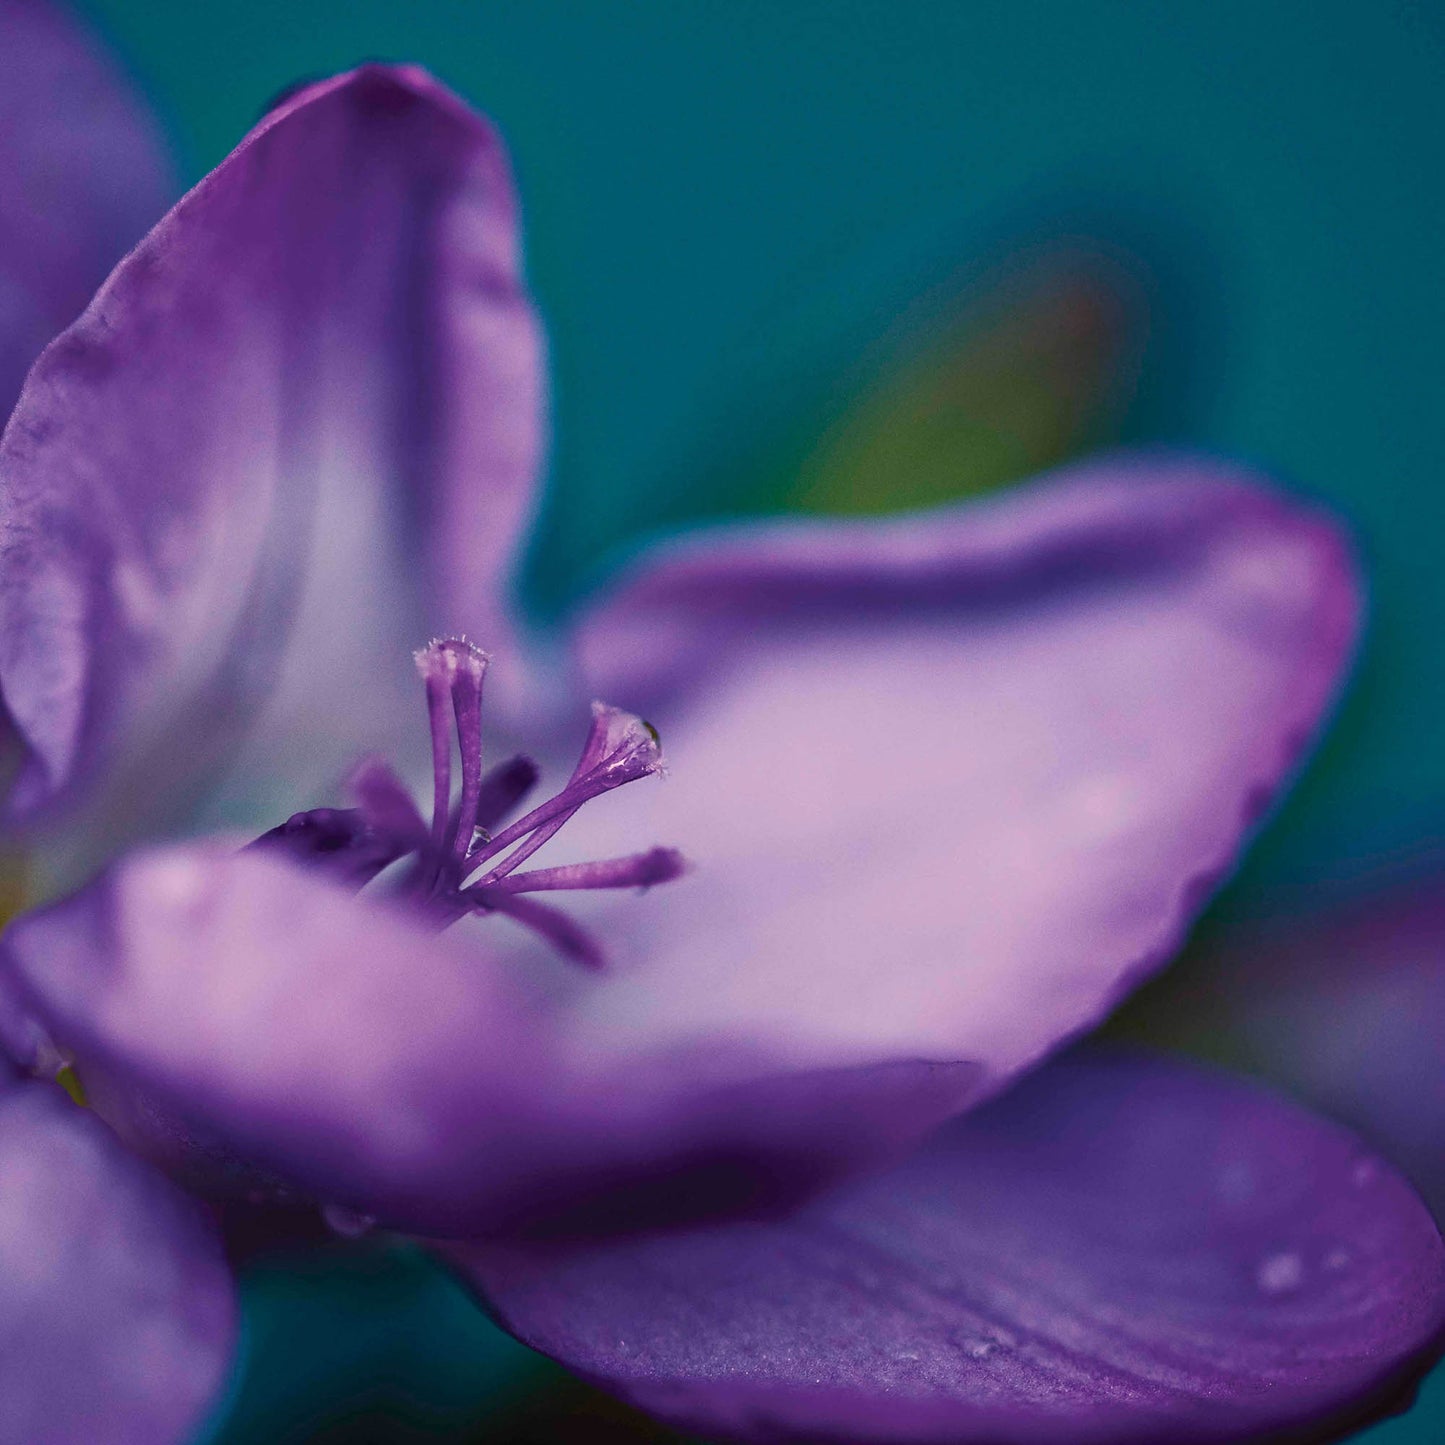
x,y
725,200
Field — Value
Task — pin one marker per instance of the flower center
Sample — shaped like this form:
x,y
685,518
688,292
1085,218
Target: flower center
x,y
465,861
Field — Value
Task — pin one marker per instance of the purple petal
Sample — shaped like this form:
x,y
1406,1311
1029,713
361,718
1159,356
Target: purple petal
x,y
1121,1250
295,432
117,1317
82,174
1340,995
952,784
247,1024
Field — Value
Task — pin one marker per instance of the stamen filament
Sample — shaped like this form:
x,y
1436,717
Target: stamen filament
x,y
633,754
567,801
525,850
385,802
453,669
554,925
637,870
438,696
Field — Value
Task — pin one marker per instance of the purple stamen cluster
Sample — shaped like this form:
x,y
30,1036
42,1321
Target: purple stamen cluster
x,y
460,866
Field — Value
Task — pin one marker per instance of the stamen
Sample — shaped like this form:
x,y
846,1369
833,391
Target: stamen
x,y
339,841
621,742
540,836
459,867
453,669
467,703
385,802
554,925
638,870
620,748
434,670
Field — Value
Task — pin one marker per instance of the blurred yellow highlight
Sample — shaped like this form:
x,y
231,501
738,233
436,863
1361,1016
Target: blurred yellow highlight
x,y
976,392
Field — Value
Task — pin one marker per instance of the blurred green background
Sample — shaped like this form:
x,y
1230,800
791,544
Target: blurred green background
x,y
790,249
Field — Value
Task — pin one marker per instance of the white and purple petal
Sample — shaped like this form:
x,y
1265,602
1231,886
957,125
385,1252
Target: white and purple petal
x,y
1121,1251
251,1025
295,432
117,1314
83,173
952,784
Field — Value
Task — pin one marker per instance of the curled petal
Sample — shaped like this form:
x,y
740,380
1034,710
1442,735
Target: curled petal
x,y
295,431
117,1317
1339,996
952,784
82,174
1121,1251
249,1023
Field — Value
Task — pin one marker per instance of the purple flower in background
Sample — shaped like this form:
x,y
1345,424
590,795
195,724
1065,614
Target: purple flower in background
x,y
1337,992
950,785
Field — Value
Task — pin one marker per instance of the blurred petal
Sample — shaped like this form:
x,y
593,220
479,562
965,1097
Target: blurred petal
x,y
295,432
82,174
240,1020
1340,995
983,391
953,784
1120,1251
117,1317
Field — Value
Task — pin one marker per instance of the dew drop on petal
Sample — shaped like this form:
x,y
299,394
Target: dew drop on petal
x,y
981,1346
1236,1184
348,1223
1280,1273
1364,1173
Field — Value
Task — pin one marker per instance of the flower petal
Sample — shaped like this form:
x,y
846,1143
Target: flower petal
x,y
952,784
1123,1249
295,431
117,1316
250,1025
82,174
1339,996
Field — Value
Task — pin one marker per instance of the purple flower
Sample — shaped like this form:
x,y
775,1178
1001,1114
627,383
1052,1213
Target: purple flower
x,y
950,785
1338,994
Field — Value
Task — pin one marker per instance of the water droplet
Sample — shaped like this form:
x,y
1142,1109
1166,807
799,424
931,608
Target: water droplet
x,y
1236,1183
47,1060
907,1357
982,1346
348,1223
1280,1273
